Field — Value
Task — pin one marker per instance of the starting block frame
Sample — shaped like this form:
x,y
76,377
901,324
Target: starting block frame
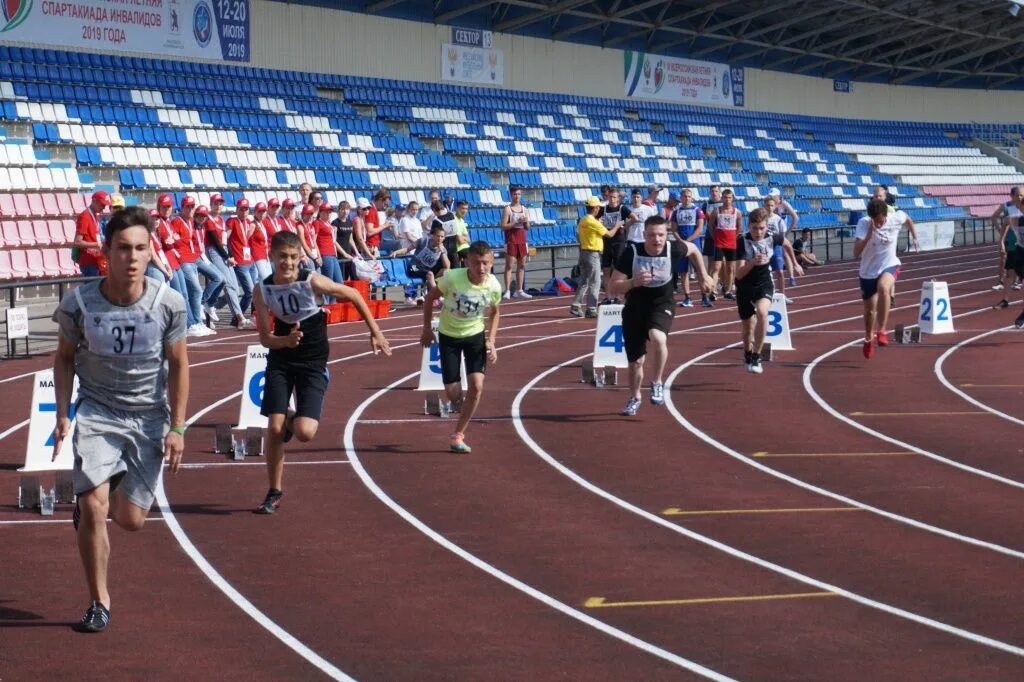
x,y
599,376
766,352
435,404
907,334
239,442
32,494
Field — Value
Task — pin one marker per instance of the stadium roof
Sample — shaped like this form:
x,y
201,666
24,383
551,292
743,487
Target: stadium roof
x,y
905,42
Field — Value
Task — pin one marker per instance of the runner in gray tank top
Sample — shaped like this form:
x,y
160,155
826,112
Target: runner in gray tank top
x,y
124,337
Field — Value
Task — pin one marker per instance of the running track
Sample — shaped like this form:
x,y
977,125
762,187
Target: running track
x,y
831,519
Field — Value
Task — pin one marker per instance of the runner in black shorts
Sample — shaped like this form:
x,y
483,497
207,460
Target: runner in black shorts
x,y
644,275
429,258
614,213
754,288
297,361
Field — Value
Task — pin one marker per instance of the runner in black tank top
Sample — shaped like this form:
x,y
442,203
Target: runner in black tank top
x,y
297,360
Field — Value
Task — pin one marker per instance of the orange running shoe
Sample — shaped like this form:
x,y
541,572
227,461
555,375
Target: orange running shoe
x,y
869,349
883,337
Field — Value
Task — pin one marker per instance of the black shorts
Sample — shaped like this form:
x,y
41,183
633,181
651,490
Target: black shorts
x,y
728,255
708,247
1011,259
869,287
415,272
610,254
638,319
472,350
747,296
1018,260
309,383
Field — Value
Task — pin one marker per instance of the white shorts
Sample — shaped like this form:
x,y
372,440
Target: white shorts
x,y
109,443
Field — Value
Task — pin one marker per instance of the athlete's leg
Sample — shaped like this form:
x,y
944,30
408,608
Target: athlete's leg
x,y
93,541
886,285
521,272
869,317
275,450
659,354
510,262
475,386
748,334
636,376
760,326
125,513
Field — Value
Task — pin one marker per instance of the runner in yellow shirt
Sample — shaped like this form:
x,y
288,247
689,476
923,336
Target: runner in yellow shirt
x,y
467,330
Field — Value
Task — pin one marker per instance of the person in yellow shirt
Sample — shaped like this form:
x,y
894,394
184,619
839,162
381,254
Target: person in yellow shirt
x,y
467,331
590,233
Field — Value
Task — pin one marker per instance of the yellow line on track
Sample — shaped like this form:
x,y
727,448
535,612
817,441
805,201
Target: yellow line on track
x,y
602,603
761,455
675,511
915,414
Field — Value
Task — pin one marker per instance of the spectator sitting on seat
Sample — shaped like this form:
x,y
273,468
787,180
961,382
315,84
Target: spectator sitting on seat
x,y
426,214
429,260
408,230
803,249
446,219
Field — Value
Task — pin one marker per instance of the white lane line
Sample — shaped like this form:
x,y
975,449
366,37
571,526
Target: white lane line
x,y
19,376
824,405
19,425
287,463
728,549
547,600
37,522
974,401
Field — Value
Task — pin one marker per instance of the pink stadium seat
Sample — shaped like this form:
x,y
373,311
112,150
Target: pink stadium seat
x,y
79,203
21,207
50,207
35,205
35,263
19,264
5,266
56,230
10,232
64,205
26,235
69,230
51,263
67,266
42,232
6,205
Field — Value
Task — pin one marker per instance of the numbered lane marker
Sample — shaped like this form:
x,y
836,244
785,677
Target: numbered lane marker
x,y
252,388
42,420
935,316
609,343
777,331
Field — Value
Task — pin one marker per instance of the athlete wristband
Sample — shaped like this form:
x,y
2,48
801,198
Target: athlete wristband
x,y
180,430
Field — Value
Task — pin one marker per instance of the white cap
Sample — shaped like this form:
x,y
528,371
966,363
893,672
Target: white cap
x,y
362,202
774,192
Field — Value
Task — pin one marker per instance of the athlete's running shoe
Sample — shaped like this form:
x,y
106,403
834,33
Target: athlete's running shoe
x,y
1017,285
792,281
883,337
1019,322
591,313
270,503
998,286
686,303
96,619
1002,304
458,444
706,302
730,296
657,394
631,408
869,350
521,293
755,366
576,311
507,295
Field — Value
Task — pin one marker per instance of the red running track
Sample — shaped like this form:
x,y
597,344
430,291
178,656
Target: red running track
x,y
507,564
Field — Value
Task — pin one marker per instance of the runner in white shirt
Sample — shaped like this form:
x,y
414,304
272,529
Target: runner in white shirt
x,y
876,238
640,212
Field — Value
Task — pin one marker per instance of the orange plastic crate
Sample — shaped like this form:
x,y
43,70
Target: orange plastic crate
x,y
381,309
335,313
362,286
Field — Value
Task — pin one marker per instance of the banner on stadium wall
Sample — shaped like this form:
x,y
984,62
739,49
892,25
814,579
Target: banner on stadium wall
x,y
472,64
937,235
685,81
203,29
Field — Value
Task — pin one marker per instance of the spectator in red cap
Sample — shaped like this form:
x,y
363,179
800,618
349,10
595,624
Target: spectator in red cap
x,y
169,243
307,234
325,245
219,257
286,221
88,242
361,229
259,242
240,228
270,225
189,251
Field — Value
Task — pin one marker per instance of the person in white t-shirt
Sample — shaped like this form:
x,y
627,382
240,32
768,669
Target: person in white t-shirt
x,y
640,212
876,238
408,229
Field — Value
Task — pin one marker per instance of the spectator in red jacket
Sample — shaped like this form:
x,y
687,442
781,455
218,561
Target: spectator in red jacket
x,y
240,228
220,258
286,221
88,240
259,241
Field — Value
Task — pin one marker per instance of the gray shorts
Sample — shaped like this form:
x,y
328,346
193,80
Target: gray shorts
x,y
111,442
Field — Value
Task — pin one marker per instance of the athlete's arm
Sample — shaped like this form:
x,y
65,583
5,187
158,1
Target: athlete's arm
x,y
698,231
620,284
267,337
427,337
743,268
177,397
697,259
791,261
506,219
790,210
491,343
909,224
63,384
326,287
1002,236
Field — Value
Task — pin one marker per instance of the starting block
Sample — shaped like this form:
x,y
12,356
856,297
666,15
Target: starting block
x,y
32,494
436,405
239,442
766,352
599,376
908,334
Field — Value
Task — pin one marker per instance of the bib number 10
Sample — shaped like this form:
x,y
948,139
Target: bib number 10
x,y
941,310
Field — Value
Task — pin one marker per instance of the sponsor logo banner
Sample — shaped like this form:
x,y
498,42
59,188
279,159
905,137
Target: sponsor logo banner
x,y
472,64
686,81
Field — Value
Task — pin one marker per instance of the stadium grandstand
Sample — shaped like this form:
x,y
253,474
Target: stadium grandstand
x,y
190,103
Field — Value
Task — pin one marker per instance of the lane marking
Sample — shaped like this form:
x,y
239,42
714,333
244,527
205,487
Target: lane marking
x,y
824,405
972,400
547,600
763,455
738,553
602,603
992,385
37,522
208,465
914,414
675,511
